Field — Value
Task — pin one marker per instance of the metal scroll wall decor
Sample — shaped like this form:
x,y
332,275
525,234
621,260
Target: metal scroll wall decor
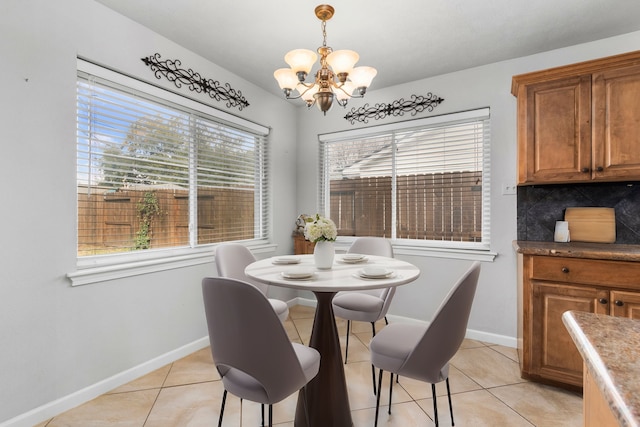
x,y
417,104
194,81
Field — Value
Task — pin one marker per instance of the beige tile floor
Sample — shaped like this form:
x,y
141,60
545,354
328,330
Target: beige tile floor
x,y
485,383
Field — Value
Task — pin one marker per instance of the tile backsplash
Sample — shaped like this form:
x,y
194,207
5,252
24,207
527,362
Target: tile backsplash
x,y
540,206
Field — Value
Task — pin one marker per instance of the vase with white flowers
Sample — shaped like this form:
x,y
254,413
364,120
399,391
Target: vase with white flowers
x,y
323,232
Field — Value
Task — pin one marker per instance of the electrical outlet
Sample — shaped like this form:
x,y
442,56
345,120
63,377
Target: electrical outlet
x,y
508,189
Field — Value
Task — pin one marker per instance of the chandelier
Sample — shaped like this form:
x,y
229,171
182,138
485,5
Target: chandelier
x,y
337,78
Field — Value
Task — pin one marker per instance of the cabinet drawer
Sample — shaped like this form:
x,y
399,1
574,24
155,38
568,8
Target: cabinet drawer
x,y
587,271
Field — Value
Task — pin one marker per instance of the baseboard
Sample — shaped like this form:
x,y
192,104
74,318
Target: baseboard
x,y
472,334
307,302
58,406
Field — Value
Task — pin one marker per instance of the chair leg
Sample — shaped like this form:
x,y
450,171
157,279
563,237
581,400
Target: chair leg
x,y
270,415
378,398
224,400
373,370
390,390
346,350
450,405
435,404
373,377
262,408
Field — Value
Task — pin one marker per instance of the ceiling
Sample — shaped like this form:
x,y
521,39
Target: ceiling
x,y
405,40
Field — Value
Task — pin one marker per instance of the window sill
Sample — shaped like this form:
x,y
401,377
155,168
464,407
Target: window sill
x,y
467,254
401,248
111,267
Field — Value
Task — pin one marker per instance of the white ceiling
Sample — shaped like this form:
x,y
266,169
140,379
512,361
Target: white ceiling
x,y
405,40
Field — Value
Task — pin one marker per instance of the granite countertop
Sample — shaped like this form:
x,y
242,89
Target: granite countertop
x,y
608,251
609,346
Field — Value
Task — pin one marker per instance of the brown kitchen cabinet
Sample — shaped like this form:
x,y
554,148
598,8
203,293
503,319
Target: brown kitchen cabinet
x,y
580,123
552,285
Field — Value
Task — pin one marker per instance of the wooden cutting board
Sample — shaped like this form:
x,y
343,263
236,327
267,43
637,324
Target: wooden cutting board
x,y
591,224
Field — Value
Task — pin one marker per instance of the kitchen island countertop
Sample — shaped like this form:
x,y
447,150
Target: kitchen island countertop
x,y
609,346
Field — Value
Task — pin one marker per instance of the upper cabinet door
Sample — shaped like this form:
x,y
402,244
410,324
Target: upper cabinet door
x,y
580,122
616,124
554,131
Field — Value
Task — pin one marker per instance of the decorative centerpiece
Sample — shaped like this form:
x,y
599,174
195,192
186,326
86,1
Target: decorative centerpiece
x,y
323,232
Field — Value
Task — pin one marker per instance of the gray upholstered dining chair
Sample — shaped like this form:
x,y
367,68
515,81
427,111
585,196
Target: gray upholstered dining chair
x,y
241,325
232,259
365,306
423,352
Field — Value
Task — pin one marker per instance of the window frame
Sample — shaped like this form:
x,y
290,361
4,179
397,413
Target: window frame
x,y
433,248
100,268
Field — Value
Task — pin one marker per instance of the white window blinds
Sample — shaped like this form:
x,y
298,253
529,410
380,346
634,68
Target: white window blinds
x,y
423,181
153,173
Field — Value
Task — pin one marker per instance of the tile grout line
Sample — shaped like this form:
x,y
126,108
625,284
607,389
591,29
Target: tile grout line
x,y
146,419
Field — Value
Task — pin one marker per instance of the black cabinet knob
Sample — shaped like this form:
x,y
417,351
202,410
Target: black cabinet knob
x,y
565,269
618,303
599,169
585,170
603,301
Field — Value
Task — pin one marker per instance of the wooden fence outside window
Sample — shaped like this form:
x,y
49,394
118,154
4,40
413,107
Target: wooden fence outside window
x,y
442,206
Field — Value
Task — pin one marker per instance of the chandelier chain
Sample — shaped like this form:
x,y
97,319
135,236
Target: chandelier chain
x,y
324,33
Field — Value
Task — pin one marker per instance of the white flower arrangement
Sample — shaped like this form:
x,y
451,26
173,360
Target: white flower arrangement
x,y
320,229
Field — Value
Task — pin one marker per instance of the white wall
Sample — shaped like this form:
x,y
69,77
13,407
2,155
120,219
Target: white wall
x,y
494,314
60,341
57,339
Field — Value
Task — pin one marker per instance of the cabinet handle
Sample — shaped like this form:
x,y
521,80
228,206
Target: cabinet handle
x,y
603,301
599,169
565,269
585,170
618,303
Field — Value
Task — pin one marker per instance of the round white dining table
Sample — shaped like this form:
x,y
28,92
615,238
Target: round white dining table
x,y
327,400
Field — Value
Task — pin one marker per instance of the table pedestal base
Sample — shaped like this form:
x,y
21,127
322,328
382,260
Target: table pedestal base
x,y
327,397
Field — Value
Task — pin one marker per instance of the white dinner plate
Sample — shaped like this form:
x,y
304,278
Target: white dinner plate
x,y
285,260
375,272
298,273
353,259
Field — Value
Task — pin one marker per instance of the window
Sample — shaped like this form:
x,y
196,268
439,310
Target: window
x,y
156,170
422,182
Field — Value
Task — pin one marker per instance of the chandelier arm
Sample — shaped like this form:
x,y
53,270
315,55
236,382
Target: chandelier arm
x,y
307,85
337,86
293,97
309,104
